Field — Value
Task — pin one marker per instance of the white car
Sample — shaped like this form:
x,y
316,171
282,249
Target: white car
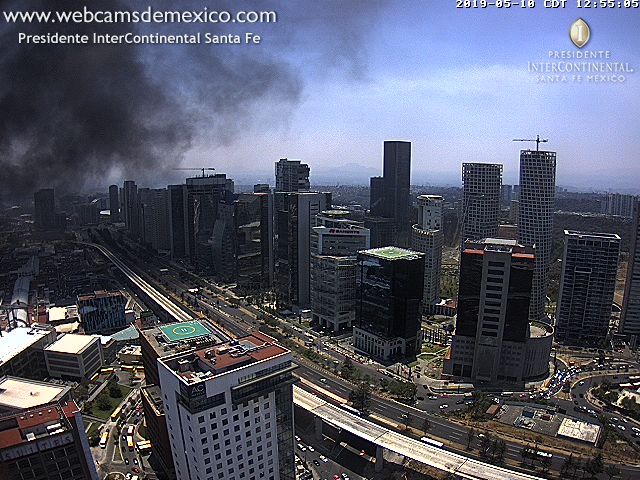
x,y
443,406
311,449
324,459
621,427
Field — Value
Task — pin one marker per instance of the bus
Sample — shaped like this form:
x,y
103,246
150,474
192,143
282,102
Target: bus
x,y
432,442
539,453
104,438
130,443
143,446
116,413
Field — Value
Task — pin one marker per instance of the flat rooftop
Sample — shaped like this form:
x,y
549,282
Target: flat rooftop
x,y
184,331
35,424
592,235
72,343
19,393
578,430
18,340
99,294
392,253
166,339
211,361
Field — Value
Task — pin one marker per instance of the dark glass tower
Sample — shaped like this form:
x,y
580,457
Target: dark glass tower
x,y
389,286
44,214
397,175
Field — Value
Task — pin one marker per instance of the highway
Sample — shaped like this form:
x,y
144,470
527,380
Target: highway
x,y
441,459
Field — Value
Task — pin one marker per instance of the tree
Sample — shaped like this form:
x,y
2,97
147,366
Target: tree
x,y
347,369
612,470
103,403
525,453
594,466
426,424
485,444
114,390
500,450
545,464
360,398
567,465
470,436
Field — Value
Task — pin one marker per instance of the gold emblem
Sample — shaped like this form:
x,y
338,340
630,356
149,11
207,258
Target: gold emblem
x,y
580,33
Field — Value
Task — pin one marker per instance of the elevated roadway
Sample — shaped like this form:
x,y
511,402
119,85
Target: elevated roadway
x,y
444,460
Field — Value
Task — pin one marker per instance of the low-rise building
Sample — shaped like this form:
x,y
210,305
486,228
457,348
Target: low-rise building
x,y
102,312
20,393
22,351
74,356
45,442
130,354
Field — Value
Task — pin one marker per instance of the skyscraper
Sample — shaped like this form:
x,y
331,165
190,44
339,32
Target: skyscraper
x,y
154,217
630,320
177,205
131,209
114,203
389,286
397,177
535,219
427,238
44,209
203,195
589,267
618,204
494,341
292,176
229,410
335,242
481,196
293,244
376,197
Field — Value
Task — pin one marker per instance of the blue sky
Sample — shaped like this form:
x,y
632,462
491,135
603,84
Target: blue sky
x,y
455,83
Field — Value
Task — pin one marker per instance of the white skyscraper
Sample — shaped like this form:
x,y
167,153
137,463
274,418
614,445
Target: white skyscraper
x,y
481,197
427,238
229,410
535,219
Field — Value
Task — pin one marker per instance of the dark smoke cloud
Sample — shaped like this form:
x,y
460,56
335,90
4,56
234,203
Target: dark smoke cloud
x,y
75,116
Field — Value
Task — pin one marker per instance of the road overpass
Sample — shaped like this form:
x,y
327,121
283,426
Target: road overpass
x,y
444,460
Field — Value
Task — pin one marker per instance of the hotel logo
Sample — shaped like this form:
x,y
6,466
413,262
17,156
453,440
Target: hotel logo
x,y
580,33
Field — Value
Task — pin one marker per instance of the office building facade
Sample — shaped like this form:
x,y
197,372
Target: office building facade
x,y
203,197
587,285
45,442
292,176
494,342
154,213
481,199
131,209
535,220
389,285
102,312
177,206
630,319
335,242
229,410
618,204
427,238
74,357
293,244
114,203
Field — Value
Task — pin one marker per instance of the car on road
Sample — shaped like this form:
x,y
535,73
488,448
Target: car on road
x,y
126,461
135,470
135,461
297,438
316,463
443,406
621,427
324,459
311,449
323,380
302,448
336,477
345,476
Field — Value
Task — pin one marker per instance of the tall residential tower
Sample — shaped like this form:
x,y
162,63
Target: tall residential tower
x,y
535,219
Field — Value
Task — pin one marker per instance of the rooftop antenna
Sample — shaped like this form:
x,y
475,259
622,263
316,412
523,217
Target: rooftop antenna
x,y
537,140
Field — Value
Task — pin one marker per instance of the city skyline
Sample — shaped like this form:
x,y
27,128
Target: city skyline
x,y
435,75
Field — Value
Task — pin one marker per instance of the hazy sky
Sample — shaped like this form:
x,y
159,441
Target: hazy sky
x,y
455,83
329,83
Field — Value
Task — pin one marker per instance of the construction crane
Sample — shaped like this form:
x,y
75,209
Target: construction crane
x,y
537,140
196,168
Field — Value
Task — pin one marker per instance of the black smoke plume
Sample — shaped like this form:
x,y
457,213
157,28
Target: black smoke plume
x,y
72,116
